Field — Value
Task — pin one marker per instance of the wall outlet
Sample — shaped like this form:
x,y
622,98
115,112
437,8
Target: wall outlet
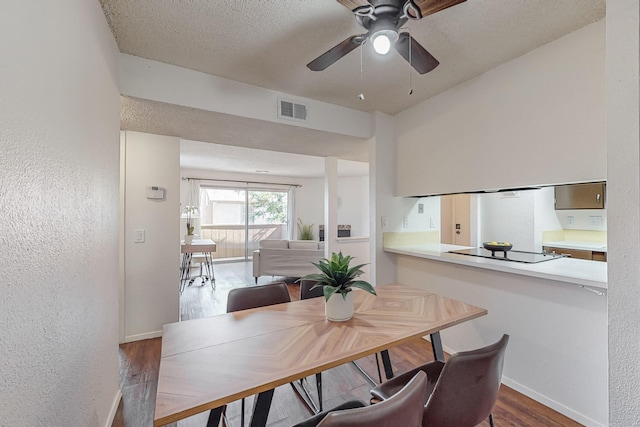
x,y
405,222
384,222
595,220
432,223
420,208
570,220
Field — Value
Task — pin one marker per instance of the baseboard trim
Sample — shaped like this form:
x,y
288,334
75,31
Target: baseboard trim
x,y
540,398
140,337
550,403
114,408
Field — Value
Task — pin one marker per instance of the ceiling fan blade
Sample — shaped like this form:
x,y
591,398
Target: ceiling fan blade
x,y
335,53
421,60
353,4
429,7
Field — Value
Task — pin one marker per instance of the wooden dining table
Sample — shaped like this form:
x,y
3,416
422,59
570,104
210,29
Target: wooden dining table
x,y
209,362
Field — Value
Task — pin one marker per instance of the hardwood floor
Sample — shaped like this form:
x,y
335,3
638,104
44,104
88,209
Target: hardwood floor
x,y
139,362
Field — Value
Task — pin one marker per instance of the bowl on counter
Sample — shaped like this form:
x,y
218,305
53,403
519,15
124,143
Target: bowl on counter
x,y
497,246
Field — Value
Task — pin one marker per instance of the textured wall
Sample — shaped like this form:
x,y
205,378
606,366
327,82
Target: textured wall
x,y
623,198
59,121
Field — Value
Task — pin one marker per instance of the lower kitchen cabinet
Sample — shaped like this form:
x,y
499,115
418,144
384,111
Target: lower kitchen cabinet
x,y
578,253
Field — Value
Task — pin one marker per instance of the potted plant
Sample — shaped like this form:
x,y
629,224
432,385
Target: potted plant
x,y
305,232
338,280
188,213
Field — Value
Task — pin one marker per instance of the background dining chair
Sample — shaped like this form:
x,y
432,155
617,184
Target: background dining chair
x,y
405,409
462,390
257,296
254,297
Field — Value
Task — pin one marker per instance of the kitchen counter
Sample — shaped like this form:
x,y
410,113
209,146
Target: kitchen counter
x,y
591,275
583,246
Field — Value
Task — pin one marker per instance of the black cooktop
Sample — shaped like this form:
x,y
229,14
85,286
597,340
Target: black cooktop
x,y
516,256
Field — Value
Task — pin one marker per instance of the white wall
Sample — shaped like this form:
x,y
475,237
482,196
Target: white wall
x,y
162,82
353,204
508,218
152,267
382,202
623,190
546,217
59,124
539,119
557,351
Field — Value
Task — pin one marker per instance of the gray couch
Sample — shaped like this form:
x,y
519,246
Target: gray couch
x,y
290,258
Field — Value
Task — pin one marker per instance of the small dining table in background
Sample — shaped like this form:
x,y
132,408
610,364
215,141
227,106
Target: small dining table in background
x,y
209,362
206,247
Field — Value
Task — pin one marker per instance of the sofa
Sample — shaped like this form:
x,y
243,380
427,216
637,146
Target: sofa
x,y
289,258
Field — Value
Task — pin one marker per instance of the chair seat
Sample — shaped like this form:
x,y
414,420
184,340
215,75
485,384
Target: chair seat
x,y
402,409
390,387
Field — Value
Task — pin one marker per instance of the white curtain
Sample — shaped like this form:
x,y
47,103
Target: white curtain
x,y
291,213
193,199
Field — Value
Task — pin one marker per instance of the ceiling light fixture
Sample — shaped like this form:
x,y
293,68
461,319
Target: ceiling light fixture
x,y
382,40
383,35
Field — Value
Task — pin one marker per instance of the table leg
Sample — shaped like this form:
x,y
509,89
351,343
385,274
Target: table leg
x,y
261,409
386,362
210,273
214,417
436,345
184,270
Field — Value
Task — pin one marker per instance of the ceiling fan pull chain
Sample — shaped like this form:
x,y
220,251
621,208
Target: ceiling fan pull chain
x,y
361,95
410,65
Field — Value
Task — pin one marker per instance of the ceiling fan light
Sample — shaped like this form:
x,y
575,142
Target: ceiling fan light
x,y
382,39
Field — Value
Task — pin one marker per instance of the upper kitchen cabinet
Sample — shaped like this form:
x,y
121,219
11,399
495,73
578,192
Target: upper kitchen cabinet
x,y
580,196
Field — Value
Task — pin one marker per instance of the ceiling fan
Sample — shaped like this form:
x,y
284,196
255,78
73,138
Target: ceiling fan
x,y
383,19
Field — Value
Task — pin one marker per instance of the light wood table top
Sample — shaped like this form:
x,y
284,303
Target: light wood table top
x,y
210,362
198,245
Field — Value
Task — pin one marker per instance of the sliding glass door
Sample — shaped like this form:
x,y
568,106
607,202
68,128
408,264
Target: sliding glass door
x,y
238,218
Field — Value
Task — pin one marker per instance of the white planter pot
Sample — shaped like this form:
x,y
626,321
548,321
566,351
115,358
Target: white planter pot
x,y
188,239
339,309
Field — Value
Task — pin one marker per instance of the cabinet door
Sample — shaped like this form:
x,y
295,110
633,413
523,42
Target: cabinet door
x,y
573,253
580,196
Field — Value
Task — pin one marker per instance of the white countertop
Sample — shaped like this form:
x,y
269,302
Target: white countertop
x,y
585,246
584,273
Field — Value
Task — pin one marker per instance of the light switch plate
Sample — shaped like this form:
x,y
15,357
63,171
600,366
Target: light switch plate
x,y
138,236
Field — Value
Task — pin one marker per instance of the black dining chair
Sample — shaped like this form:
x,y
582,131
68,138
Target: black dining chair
x,y
462,391
405,409
254,297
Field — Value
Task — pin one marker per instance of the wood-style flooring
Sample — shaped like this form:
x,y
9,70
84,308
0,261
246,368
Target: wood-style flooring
x,y
139,362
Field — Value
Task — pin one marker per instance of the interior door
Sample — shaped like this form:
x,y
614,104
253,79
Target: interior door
x,y
455,219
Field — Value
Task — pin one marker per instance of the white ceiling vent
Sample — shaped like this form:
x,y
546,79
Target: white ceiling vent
x,y
291,110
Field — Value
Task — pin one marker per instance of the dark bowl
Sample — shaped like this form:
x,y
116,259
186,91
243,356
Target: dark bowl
x,y
500,246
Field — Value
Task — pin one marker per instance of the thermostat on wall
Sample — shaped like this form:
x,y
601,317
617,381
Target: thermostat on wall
x,y
155,193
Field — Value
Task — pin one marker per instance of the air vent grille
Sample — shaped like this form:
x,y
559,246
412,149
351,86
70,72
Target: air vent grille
x,y
291,110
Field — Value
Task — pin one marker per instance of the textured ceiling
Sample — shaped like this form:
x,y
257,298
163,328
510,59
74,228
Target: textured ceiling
x,y
268,43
